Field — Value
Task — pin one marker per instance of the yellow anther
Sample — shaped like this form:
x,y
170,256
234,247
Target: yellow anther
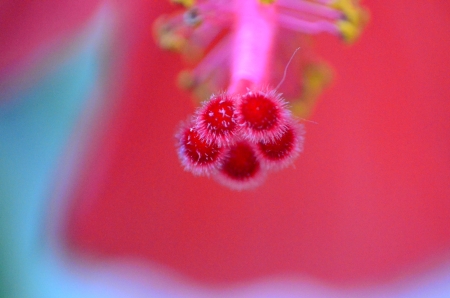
x,y
266,1
200,90
349,31
349,9
185,3
352,11
316,78
186,80
166,36
171,41
356,18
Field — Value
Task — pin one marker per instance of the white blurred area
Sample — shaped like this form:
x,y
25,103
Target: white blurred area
x,y
126,278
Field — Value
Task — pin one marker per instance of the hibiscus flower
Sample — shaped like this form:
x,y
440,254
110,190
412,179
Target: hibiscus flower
x,y
364,207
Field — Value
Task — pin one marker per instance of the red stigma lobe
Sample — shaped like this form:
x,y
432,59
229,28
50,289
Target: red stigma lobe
x,y
197,155
216,119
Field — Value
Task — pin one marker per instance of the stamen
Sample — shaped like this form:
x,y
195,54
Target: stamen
x,y
185,3
307,27
311,8
248,129
212,60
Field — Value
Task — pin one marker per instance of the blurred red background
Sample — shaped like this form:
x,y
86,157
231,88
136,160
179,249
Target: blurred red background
x,y
367,201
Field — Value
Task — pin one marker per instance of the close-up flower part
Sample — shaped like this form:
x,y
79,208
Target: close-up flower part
x,y
280,152
291,176
216,119
241,47
241,169
262,116
196,154
232,137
